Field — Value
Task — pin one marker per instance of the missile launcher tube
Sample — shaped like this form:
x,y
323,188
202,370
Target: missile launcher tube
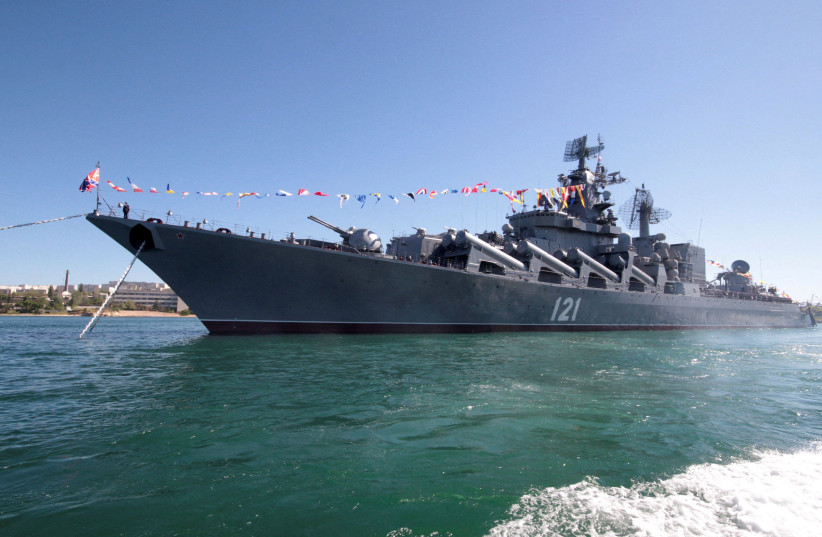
x,y
595,265
637,273
550,260
490,251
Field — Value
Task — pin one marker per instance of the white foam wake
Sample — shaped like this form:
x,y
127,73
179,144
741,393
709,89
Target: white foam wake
x,y
775,494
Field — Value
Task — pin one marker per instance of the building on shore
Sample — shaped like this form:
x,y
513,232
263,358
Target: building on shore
x,y
42,289
160,296
143,294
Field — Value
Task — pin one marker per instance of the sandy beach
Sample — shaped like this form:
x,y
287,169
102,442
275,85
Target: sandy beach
x,y
135,313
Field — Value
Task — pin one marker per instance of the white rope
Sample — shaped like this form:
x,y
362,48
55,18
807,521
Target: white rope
x,y
42,221
90,326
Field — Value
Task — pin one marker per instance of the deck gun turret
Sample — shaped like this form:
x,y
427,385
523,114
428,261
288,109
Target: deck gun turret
x,y
358,238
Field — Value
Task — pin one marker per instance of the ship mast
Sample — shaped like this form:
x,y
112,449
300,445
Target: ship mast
x,y
97,208
592,208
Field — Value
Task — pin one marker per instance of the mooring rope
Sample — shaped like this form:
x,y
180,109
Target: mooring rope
x,y
42,221
90,326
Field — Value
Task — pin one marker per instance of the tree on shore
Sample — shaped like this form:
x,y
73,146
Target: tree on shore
x,y
57,303
6,301
30,304
77,298
96,299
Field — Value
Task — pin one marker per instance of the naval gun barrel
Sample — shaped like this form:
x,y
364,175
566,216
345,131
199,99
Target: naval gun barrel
x,y
595,265
489,250
343,232
548,259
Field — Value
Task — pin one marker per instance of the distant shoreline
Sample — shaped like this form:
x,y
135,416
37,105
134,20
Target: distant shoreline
x,y
138,313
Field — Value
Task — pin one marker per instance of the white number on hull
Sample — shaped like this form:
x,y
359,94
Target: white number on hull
x,y
566,308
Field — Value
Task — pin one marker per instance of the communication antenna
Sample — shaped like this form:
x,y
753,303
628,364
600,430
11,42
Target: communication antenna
x,y
639,212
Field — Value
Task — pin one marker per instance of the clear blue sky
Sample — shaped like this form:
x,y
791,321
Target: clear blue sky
x,y
715,106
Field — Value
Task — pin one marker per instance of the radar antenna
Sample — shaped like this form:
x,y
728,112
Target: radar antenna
x,y
639,212
576,150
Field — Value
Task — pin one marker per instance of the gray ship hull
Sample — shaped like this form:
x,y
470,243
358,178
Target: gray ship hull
x,y
247,285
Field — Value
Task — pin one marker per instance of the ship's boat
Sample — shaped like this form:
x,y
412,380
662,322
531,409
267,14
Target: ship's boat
x,y
563,266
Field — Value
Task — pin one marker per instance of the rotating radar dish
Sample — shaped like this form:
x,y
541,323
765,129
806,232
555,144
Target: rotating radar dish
x,y
576,150
639,212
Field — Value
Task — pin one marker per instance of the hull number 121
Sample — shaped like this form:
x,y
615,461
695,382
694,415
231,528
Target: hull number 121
x,y
565,309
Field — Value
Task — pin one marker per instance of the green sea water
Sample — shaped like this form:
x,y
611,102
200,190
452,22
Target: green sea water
x,y
152,427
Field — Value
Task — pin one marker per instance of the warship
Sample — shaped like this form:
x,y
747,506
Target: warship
x,y
558,267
